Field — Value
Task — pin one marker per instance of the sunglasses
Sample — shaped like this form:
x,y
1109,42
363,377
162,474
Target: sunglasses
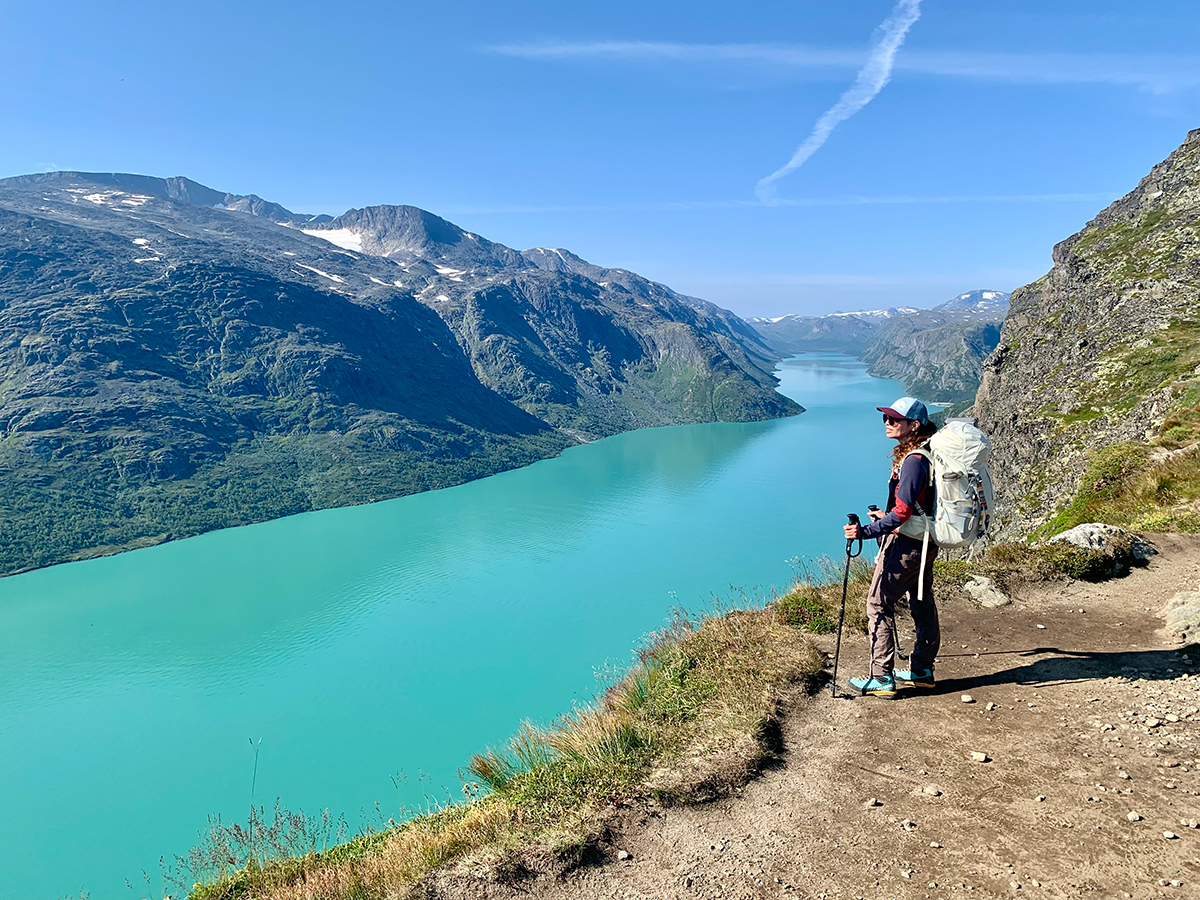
x,y
891,420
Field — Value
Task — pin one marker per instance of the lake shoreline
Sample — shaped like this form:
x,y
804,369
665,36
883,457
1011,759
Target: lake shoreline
x,y
460,607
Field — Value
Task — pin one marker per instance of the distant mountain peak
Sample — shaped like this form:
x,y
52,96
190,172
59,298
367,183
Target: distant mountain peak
x,y
409,232
978,299
125,189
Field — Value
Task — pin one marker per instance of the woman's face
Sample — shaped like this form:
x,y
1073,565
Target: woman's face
x,y
900,429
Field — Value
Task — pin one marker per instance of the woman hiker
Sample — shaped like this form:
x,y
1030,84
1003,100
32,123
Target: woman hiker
x,y
897,568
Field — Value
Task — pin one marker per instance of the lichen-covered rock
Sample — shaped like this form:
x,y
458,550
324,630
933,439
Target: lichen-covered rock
x,y
983,591
1107,539
1182,613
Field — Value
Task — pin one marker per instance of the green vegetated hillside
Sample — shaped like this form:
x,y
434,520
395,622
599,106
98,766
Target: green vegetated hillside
x,y
174,359
937,353
1093,394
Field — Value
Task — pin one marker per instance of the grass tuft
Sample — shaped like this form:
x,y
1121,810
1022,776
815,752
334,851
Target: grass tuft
x,y
1130,485
814,600
1014,565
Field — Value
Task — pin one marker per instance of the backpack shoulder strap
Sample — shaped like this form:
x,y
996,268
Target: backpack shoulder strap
x,y
925,453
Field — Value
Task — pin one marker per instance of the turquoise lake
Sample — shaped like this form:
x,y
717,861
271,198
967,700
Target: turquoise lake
x,y
374,649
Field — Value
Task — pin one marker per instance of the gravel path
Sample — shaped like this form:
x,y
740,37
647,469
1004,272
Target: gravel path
x,y
1087,714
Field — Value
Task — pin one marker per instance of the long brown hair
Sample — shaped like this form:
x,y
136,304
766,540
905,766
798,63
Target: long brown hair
x,y
915,440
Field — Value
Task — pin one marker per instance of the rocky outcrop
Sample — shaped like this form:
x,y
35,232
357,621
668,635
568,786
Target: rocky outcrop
x,y
175,359
1103,349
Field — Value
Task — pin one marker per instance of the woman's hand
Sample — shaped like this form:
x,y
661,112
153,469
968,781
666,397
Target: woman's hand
x,y
851,531
876,514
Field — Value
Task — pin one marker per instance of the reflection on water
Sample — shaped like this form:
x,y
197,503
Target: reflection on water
x,y
403,635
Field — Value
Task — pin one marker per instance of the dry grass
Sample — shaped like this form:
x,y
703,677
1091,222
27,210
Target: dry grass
x,y
1133,486
691,719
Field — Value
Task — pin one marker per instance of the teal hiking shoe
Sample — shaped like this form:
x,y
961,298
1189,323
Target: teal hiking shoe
x,y
875,686
919,678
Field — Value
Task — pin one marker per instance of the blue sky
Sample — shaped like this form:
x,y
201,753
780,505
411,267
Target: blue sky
x,y
635,133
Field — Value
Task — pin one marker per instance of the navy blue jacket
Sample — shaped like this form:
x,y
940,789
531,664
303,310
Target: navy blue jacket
x,y
906,491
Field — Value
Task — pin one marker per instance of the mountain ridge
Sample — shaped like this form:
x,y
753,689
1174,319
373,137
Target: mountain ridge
x,y
938,353
195,359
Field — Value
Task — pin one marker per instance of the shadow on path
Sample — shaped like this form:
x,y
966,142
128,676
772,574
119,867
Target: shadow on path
x,y
1050,665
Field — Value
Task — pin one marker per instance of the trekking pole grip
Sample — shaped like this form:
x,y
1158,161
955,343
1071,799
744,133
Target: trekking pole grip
x,y
853,517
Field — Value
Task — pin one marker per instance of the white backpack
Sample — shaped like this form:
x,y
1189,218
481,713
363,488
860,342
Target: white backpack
x,y
958,456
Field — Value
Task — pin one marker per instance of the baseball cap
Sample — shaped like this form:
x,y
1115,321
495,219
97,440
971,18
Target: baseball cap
x,y
906,408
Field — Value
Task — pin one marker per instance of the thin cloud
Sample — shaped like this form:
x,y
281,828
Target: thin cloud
x,y
859,280
776,54
1157,74
872,78
683,205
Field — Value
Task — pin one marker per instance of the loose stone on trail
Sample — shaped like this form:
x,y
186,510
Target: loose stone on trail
x,y
1133,817
978,756
871,803
967,698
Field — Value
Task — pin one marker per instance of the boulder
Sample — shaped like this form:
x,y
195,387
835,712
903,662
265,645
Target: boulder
x,y
983,591
1182,613
1108,540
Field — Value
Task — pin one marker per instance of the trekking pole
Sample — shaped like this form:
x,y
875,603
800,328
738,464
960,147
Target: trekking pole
x,y
842,615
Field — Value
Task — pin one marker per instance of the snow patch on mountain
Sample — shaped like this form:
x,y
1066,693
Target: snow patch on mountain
x,y
338,278
339,237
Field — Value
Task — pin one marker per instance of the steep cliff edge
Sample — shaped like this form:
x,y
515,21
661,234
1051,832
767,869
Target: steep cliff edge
x,y
1092,397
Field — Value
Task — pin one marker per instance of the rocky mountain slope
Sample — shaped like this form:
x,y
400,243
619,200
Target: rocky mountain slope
x,y
850,333
1097,372
937,353
175,359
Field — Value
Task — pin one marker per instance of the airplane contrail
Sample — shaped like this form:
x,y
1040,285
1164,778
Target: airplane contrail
x,y
872,77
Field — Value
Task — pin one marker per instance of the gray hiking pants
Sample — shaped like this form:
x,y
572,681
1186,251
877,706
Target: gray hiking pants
x,y
895,575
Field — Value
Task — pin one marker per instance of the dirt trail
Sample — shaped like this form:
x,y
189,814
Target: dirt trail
x,y
1086,722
